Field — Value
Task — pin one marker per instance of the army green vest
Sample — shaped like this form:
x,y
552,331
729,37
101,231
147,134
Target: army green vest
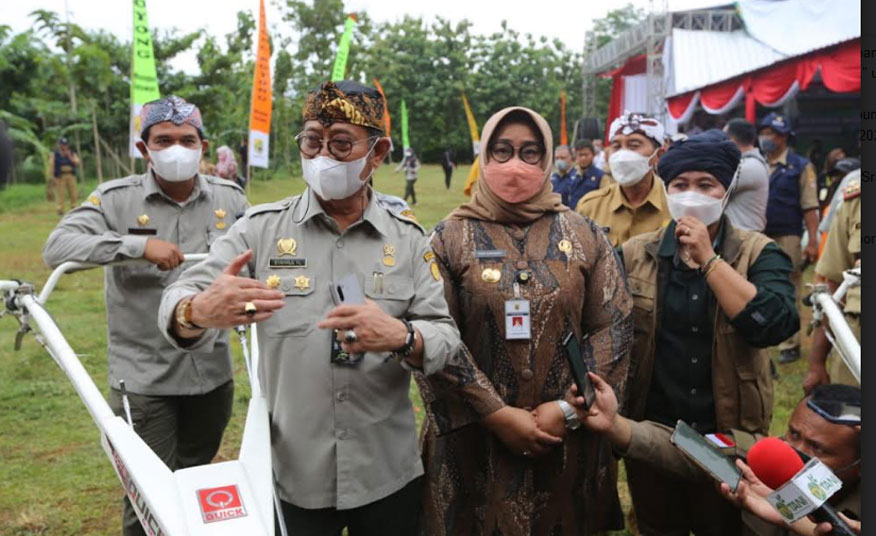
x,y
741,380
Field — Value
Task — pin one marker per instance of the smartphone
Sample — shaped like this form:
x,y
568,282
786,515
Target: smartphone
x,y
704,454
347,291
579,369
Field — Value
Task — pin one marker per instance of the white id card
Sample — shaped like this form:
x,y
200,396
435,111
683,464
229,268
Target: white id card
x,y
517,320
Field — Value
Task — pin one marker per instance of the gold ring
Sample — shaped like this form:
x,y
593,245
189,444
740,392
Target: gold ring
x,y
250,309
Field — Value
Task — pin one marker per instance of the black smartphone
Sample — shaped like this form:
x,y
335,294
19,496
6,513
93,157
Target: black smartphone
x,y
704,454
579,369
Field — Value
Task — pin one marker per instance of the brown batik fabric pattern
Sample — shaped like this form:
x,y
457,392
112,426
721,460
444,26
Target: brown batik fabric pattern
x,y
475,485
330,105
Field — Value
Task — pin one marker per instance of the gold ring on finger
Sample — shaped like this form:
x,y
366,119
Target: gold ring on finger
x,y
250,309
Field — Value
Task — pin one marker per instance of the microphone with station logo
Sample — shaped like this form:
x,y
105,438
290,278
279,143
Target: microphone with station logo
x,y
800,489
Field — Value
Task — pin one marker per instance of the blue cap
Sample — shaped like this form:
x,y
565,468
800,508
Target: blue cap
x,y
777,122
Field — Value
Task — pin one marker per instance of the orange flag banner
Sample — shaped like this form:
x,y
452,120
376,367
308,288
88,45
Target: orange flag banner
x,y
260,115
564,135
387,122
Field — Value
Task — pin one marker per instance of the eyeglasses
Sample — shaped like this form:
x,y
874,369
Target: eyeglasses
x,y
502,151
340,147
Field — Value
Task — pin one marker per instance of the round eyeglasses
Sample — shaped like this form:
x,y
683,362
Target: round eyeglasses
x,y
340,147
502,151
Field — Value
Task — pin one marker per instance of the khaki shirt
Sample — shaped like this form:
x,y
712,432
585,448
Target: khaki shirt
x,y
113,224
609,208
843,246
807,187
342,436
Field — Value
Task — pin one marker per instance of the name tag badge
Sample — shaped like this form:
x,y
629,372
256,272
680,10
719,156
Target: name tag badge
x,y
490,254
283,262
517,326
142,231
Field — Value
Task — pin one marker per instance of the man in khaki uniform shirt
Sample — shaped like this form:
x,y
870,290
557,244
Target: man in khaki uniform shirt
x,y
793,201
180,400
841,252
343,432
635,203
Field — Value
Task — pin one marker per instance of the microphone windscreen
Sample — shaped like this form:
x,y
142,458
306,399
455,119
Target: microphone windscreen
x,y
774,461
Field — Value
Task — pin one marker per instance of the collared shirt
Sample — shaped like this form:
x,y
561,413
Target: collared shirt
x,y
609,208
342,436
565,184
807,186
748,202
113,224
843,246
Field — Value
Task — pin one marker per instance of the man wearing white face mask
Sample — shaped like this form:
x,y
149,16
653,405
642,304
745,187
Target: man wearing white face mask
x,y
337,376
180,400
708,299
636,202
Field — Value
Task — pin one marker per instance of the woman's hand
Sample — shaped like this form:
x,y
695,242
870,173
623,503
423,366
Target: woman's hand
x,y
517,429
693,235
549,418
375,330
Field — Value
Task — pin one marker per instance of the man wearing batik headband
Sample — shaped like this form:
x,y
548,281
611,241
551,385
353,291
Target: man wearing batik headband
x,y
636,202
180,400
336,370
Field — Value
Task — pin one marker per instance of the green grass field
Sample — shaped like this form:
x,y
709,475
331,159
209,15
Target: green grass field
x,y
54,476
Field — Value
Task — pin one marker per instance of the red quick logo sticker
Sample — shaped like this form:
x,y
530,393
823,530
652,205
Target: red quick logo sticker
x,y
220,504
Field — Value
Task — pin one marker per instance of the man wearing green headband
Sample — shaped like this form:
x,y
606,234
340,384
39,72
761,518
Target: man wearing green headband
x,y
337,357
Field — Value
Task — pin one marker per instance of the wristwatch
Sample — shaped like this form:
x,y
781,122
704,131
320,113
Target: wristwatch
x,y
184,314
410,343
572,422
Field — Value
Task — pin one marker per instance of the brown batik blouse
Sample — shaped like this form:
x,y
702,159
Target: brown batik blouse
x,y
474,485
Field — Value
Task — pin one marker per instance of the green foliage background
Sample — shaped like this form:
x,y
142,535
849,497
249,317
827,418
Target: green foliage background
x,y
426,62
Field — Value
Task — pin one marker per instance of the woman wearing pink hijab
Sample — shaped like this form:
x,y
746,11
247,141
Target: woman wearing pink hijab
x,y
226,165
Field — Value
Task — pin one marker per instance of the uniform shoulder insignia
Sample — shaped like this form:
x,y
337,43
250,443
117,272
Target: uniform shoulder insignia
x,y
219,181
852,191
114,184
409,219
276,206
408,213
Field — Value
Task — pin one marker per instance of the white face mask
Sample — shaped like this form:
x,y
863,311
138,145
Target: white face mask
x,y
705,208
176,163
628,167
331,179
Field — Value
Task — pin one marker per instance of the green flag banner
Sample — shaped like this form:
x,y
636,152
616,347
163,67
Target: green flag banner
x,y
406,142
144,80
343,49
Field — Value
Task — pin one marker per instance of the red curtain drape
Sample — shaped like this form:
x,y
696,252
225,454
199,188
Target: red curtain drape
x,y
635,65
840,71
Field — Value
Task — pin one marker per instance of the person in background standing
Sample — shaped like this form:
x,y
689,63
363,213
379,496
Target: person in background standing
x,y
792,201
636,202
592,177
226,165
448,162
565,179
411,165
748,200
63,164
